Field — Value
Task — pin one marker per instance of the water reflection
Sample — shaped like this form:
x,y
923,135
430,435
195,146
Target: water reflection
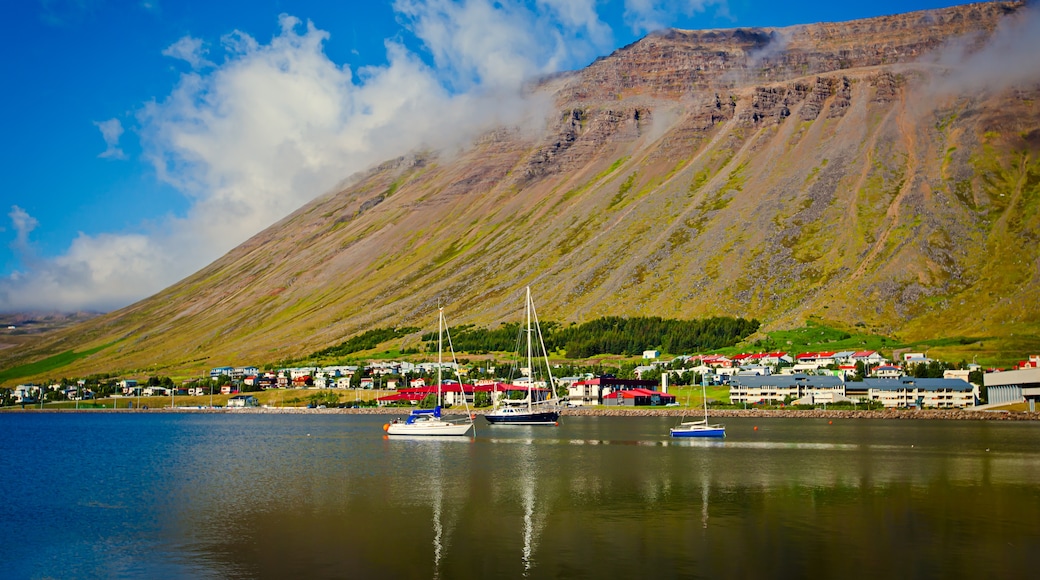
x,y
275,496
437,486
705,485
528,484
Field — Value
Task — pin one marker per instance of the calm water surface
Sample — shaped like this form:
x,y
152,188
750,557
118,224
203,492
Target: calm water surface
x,y
275,496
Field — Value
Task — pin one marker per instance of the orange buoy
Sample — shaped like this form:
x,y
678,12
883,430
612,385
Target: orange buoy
x,y
386,426
830,422
756,427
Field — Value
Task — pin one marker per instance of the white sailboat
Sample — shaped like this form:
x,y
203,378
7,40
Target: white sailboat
x,y
428,422
699,428
528,411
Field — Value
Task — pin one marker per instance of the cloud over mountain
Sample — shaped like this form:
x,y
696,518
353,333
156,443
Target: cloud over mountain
x,y
252,137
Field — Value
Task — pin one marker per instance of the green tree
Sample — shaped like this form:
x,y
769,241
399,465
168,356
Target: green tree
x,y
429,401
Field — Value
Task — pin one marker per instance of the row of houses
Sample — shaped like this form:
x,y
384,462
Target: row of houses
x,y
849,357
26,394
901,392
749,378
581,391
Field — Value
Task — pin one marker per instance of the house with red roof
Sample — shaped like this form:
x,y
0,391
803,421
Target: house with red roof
x,y
868,357
593,391
1032,363
452,393
776,358
716,361
887,372
637,397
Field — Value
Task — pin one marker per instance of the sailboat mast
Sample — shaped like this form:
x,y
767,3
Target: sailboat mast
x,y
704,398
530,362
440,349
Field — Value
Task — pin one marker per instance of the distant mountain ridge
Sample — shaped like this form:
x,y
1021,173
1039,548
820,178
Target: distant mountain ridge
x,y
774,174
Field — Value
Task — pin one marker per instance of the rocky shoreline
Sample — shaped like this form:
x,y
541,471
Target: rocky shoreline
x,y
927,414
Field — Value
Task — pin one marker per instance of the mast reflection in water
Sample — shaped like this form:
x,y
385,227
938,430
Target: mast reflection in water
x,y
257,495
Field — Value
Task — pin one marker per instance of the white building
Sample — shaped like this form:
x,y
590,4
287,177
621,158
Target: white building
x,y
777,388
914,392
888,372
242,401
1012,386
25,393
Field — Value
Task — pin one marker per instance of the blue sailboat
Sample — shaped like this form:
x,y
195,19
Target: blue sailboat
x,y
699,428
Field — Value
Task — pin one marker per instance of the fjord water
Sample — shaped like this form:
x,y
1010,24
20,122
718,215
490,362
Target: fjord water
x,y
157,495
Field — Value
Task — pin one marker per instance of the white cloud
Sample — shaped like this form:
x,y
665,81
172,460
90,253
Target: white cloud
x,y
1007,59
111,131
191,50
23,224
649,15
96,273
276,124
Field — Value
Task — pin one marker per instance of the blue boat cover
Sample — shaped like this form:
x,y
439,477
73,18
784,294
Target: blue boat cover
x,y
416,413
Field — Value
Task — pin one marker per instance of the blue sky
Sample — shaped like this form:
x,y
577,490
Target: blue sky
x,y
146,138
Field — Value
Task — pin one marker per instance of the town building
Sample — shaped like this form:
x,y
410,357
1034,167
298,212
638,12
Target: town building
x,y
25,393
242,401
887,372
916,392
637,397
1013,386
749,390
593,391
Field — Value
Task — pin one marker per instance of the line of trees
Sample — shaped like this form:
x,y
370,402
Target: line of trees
x,y
610,335
365,341
631,336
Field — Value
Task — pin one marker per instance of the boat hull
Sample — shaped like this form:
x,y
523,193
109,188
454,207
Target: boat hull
x,y
699,432
429,428
533,418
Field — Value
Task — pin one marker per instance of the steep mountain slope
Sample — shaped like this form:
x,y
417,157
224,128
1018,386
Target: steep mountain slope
x,y
768,173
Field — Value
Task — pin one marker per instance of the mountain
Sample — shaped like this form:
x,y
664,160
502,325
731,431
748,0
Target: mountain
x,y
849,172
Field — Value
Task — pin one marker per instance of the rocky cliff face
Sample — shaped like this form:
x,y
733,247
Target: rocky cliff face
x,y
768,173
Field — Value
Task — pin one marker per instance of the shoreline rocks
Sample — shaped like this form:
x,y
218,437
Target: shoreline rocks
x,y
926,414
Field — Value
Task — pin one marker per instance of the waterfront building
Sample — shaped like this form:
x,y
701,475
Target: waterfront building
x,y
637,397
242,401
593,391
1013,386
452,393
916,392
744,389
25,393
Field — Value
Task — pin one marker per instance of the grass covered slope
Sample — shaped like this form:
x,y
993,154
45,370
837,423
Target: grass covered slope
x,y
676,178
